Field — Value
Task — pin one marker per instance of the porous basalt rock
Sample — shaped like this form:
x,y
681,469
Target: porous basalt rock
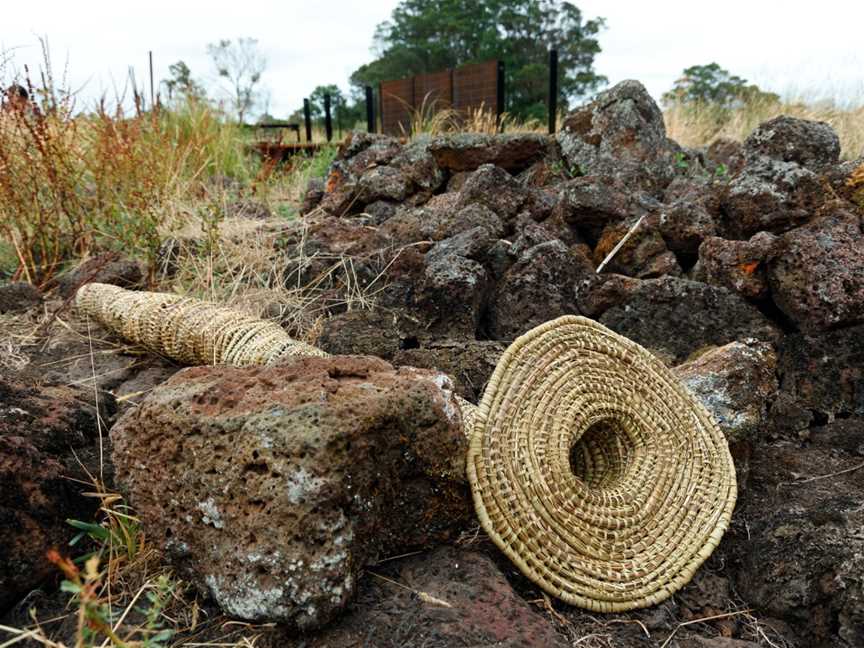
x,y
738,265
271,488
817,272
109,268
674,317
48,444
811,144
468,151
796,549
501,193
539,287
465,601
469,362
643,255
736,383
453,294
620,134
770,195
823,372
18,296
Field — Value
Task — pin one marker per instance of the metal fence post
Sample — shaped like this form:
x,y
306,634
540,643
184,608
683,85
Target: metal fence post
x,y
499,96
307,118
370,111
328,122
553,90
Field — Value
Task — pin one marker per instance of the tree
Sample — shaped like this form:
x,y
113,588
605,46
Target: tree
x,y
182,84
431,35
711,84
241,65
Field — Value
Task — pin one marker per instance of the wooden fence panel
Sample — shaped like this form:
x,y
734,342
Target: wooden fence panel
x,y
397,104
469,87
475,86
435,89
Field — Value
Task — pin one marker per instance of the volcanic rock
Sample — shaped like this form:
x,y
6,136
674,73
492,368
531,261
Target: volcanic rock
x,y
675,317
817,273
18,296
272,488
468,151
735,383
811,144
738,265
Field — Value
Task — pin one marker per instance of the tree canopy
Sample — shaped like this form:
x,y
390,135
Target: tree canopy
x,y
241,65
711,84
182,84
431,35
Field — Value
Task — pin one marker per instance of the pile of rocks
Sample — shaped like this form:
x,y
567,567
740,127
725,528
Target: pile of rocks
x,y
273,489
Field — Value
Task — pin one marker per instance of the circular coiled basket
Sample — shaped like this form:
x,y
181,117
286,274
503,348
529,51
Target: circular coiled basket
x,y
595,471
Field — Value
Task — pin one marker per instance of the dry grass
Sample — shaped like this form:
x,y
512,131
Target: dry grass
x,y
700,125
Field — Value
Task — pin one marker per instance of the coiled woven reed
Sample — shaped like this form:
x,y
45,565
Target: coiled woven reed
x,y
189,330
595,470
591,467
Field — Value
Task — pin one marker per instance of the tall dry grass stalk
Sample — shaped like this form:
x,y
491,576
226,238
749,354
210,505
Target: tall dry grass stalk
x,y
72,182
700,124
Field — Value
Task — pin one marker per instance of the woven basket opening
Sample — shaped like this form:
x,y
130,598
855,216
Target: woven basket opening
x,y
603,454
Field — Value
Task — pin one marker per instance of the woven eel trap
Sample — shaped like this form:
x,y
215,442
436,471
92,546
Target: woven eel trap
x,y
591,467
595,471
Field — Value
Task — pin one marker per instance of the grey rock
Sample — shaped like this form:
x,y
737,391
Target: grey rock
x,y
735,383
812,144
675,317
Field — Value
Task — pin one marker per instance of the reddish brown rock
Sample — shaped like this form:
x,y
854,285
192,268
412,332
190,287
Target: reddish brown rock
x,y
823,373
817,273
795,546
738,265
728,153
377,333
469,151
688,218
592,202
46,434
620,134
109,268
538,287
470,363
597,293
500,192
644,254
18,296
312,197
465,601
272,488
453,295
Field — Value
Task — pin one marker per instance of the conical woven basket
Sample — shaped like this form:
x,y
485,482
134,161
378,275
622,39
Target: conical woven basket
x,y
595,471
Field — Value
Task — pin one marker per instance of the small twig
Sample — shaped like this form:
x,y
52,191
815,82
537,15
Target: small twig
x,y
636,621
702,620
620,244
817,478
423,596
404,555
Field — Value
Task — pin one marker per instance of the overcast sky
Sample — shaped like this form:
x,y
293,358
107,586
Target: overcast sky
x,y
789,47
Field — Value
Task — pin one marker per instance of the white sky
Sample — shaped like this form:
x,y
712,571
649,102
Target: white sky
x,y
792,47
